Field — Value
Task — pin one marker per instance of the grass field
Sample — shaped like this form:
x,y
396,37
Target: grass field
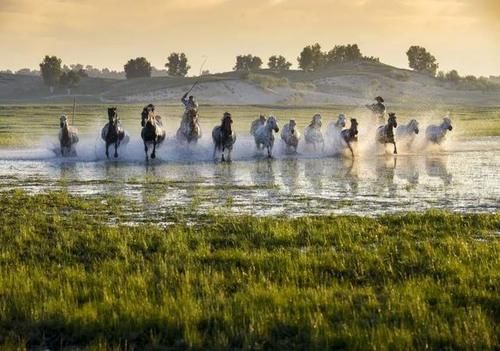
x,y
26,125
413,281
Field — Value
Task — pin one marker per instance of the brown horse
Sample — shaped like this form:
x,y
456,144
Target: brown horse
x,y
152,131
385,133
224,137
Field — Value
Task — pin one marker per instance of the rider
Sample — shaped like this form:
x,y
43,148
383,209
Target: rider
x,y
378,109
189,103
257,123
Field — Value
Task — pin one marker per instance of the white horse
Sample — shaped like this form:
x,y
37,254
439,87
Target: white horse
x,y
408,131
290,136
264,137
68,137
333,132
312,133
436,134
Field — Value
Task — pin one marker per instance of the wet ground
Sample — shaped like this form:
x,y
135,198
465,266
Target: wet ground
x,y
459,176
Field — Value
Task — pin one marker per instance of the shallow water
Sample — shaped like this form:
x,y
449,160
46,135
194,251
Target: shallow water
x,y
459,176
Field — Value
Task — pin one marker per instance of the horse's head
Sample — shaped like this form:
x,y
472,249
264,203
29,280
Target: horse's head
x,y
316,121
341,121
391,121
227,123
292,126
447,124
63,121
192,116
272,124
414,126
112,115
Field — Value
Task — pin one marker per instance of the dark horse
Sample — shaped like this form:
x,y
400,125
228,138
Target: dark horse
x,y
113,133
385,133
350,135
224,137
152,130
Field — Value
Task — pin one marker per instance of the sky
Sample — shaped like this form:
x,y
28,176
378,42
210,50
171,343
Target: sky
x,y
461,34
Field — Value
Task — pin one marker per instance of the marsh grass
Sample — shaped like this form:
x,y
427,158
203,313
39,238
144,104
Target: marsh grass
x,y
412,281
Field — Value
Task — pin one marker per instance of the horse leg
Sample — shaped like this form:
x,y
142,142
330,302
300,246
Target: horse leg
x,y
146,150
350,148
395,150
107,153
214,154
153,154
269,151
116,149
223,159
229,155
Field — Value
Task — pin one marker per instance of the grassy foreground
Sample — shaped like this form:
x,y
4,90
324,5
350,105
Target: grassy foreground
x,y
413,281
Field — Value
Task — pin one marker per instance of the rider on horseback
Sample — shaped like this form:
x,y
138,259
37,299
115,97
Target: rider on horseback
x,y
189,103
378,109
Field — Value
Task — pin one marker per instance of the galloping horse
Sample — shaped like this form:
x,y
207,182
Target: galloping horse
x,y
350,135
312,133
68,137
385,133
113,133
436,134
257,123
264,136
290,135
224,137
408,131
334,128
152,130
189,130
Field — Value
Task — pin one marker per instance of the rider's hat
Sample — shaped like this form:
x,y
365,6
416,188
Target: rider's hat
x,y
379,99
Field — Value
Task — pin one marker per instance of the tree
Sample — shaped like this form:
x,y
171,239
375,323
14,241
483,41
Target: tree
x,y
69,80
345,53
278,63
50,69
137,68
420,60
311,58
177,65
247,63
452,76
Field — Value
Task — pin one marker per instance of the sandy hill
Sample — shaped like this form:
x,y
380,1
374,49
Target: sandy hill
x,y
347,84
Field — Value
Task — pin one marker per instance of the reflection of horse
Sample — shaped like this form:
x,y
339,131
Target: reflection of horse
x,y
436,134
224,136
408,131
386,170
290,136
152,131
113,133
68,137
350,135
436,167
189,130
264,137
312,133
385,133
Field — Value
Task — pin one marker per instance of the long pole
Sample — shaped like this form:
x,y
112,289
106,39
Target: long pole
x,y
199,76
73,116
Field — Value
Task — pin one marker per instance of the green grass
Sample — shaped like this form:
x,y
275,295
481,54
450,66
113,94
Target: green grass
x,y
411,281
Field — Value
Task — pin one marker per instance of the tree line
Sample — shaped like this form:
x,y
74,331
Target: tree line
x,y
311,58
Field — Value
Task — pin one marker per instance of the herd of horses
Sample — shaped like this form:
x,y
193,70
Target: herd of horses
x,y
263,130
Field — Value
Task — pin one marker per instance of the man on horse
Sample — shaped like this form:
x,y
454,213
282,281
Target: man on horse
x,y
378,108
189,103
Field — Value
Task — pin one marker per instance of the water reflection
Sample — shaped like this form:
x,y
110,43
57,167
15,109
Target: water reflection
x,y
408,170
386,169
437,166
290,174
